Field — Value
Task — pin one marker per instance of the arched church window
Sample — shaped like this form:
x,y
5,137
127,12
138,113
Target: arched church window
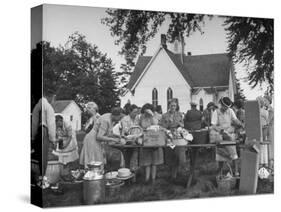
x,y
154,97
169,96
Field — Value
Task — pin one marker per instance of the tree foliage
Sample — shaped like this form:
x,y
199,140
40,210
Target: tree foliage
x,y
239,95
79,71
250,40
134,28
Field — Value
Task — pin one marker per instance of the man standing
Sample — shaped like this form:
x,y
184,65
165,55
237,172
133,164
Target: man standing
x,y
193,118
43,130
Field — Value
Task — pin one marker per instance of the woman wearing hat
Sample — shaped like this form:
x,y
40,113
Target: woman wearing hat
x,y
223,122
67,150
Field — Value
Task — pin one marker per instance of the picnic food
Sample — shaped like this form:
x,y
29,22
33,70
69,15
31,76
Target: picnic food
x,y
154,127
111,175
114,182
124,172
77,174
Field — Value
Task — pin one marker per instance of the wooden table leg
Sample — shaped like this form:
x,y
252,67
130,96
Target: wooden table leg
x,y
193,157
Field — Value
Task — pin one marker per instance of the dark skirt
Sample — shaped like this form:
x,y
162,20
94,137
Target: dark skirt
x,y
151,156
176,156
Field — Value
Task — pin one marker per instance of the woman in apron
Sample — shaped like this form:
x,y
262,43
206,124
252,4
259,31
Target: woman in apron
x,y
223,120
67,150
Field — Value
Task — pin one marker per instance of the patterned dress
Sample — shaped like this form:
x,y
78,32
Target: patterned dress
x,y
94,150
172,121
70,152
126,123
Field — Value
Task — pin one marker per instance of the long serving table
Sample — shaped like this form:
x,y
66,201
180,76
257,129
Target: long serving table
x,y
193,153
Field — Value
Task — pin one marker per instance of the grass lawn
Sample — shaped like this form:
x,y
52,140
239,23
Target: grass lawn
x,y
204,185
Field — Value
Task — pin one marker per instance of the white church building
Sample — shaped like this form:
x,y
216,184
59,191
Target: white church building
x,y
165,75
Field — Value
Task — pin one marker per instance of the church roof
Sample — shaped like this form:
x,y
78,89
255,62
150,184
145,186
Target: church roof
x,y
209,70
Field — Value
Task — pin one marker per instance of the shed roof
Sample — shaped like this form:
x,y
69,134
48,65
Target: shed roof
x,y
60,105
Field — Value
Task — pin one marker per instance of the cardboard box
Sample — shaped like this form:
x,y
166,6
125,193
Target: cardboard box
x,y
154,138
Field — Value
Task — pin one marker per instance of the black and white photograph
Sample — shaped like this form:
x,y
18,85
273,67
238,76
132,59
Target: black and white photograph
x,y
131,105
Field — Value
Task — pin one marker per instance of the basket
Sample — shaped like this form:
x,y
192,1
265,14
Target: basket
x,y
226,184
136,130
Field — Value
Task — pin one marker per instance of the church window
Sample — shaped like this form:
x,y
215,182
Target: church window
x,y
154,97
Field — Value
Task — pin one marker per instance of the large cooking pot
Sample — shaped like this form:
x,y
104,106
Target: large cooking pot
x,y
93,191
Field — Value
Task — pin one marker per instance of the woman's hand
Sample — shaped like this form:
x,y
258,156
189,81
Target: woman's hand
x,y
123,141
115,140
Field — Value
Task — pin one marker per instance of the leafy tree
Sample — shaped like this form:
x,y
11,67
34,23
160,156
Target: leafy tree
x,y
79,71
36,74
239,95
133,28
250,40
48,57
90,75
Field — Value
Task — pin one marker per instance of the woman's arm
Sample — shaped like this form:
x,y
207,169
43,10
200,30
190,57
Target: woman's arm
x,y
103,131
180,122
107,138
69,133
163,122
235,120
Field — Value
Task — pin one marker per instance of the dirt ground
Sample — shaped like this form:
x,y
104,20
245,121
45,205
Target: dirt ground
x,y
203,185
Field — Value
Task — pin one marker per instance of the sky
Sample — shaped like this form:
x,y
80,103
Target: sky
x,y
60,21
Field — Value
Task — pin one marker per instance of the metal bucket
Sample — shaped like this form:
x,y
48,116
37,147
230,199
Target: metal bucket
x,y
93,191
112,190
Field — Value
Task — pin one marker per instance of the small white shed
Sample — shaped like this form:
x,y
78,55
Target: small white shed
x,y
70,112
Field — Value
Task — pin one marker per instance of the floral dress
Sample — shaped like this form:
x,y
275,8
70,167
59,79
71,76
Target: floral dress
x,y
94,150
131,154
70,152
172,121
